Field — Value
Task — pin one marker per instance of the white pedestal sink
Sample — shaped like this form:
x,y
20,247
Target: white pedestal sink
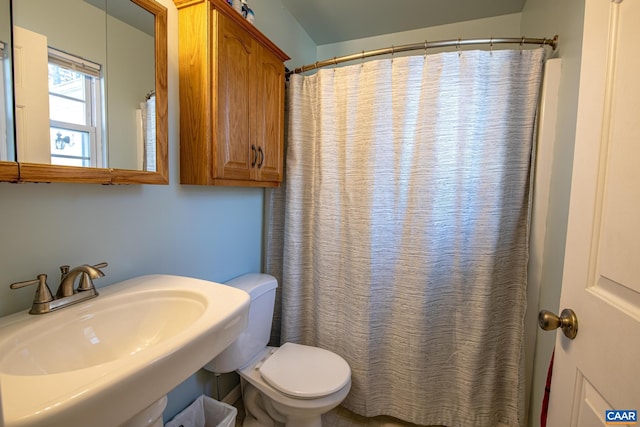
x,y
102,363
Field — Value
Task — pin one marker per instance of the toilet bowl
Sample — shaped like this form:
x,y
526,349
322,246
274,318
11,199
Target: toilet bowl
x,y
293,384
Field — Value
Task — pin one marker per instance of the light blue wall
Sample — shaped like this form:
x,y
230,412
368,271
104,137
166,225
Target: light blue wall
x,y
498,26
282,28
565,19
214,233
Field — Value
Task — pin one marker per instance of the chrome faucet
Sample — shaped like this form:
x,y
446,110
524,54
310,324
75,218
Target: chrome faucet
x,y
44,302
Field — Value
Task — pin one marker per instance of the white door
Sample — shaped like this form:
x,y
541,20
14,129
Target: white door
x,y
31,96
600,369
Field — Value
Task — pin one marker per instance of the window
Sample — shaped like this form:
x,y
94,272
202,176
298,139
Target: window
x,y
75,111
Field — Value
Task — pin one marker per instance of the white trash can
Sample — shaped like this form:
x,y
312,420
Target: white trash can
x,y
205,412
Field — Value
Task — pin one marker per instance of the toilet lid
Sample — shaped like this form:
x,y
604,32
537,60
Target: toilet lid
x,y
305,372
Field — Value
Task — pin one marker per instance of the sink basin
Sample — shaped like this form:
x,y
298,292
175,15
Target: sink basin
x,y
103,361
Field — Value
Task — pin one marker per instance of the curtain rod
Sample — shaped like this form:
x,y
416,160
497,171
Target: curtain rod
x,y
425,46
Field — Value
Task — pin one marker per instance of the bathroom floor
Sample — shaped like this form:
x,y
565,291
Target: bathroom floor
x,y
340,417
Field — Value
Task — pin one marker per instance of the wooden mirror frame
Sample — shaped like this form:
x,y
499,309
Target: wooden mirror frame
x,y
34,172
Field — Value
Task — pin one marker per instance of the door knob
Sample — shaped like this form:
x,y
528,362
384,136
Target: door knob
x,y
568,322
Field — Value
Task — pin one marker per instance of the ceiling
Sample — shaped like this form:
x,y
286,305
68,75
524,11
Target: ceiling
x,y
129,13
332,21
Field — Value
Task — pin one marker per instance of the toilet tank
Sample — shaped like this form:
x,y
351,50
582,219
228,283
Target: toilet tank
x,y
253,340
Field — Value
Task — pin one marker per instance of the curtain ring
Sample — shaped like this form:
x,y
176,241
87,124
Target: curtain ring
x,y
491,45
362,59
425,48
315,67
522,45
458,47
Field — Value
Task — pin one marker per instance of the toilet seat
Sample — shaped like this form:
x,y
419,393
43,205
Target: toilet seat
x,y
305,372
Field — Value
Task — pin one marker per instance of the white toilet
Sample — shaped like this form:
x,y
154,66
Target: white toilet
x,y
293,384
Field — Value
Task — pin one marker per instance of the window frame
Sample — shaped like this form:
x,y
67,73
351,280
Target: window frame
x,y
92,73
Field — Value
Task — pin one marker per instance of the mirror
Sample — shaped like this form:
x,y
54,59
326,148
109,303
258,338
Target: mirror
x,y
7,151
90,90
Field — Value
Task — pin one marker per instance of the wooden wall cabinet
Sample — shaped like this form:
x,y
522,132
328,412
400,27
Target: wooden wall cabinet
x,y
231,98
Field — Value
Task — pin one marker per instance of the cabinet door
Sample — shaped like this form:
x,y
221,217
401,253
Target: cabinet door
x,y
234,91
269,115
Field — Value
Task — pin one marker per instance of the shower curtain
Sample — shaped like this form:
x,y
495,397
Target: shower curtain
x,y
400,235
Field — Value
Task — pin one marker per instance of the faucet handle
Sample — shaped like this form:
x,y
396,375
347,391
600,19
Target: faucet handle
x,y
86,284
43,293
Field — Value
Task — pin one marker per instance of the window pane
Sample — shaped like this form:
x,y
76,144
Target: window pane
x,y
63,81
67,110
67,95
65,161
70,147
